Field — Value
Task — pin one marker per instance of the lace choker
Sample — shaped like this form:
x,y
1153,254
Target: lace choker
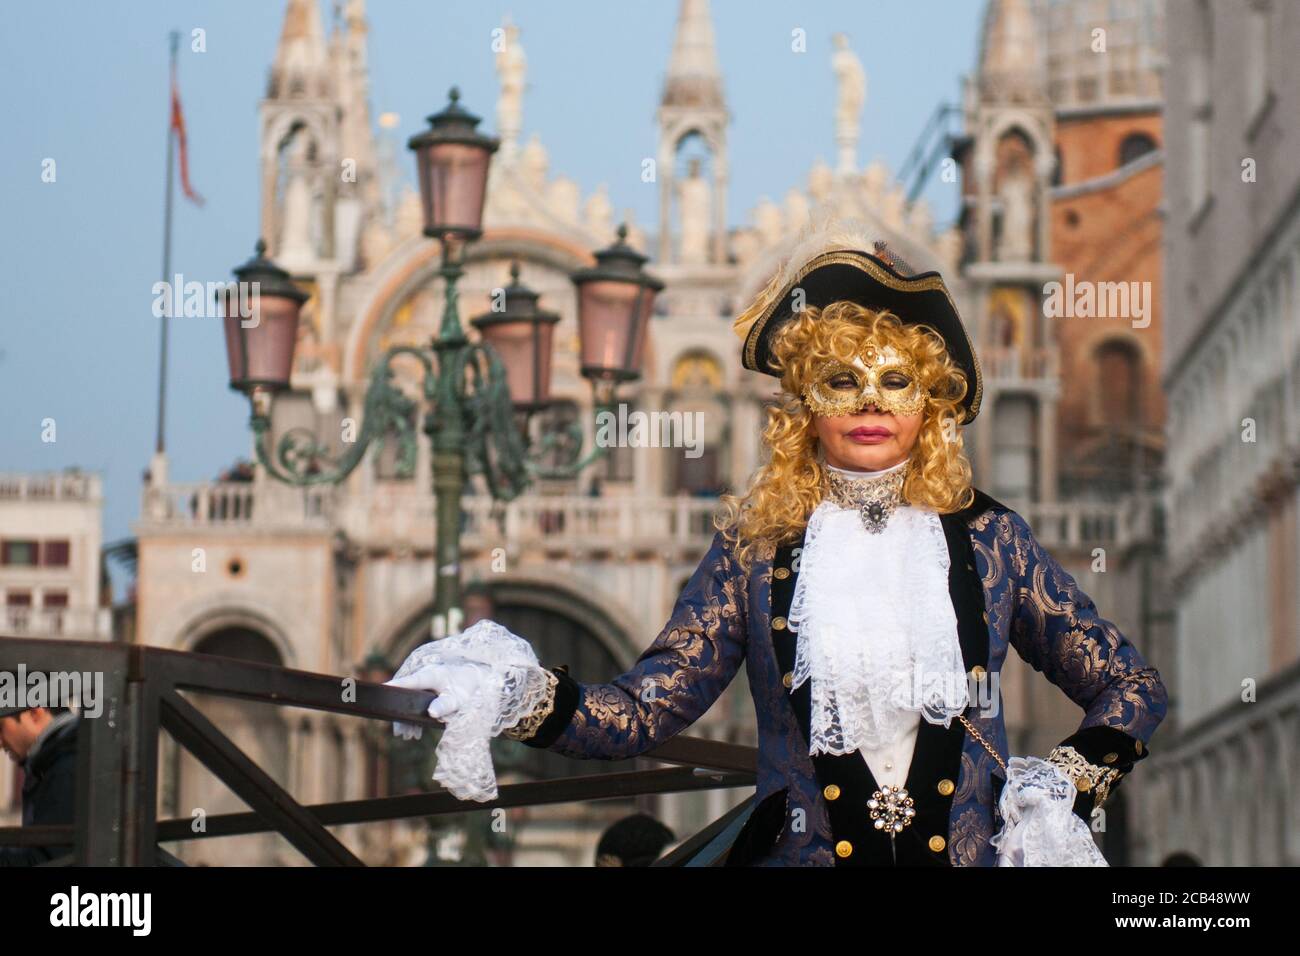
x,y
874,496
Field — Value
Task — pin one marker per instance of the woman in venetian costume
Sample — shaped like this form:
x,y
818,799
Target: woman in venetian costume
x,y
871,593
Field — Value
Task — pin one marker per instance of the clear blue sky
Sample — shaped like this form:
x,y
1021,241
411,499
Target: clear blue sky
x,y
84,82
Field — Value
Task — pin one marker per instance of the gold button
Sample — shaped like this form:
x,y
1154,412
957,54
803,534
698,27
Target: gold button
x,y
937,843
1110,758
1083,783
788,679
1137,745
778,623
946,786
832,792
781,573
843,848
985,615
977,672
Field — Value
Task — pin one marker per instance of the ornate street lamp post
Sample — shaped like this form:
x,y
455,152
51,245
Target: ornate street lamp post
x,y
477,394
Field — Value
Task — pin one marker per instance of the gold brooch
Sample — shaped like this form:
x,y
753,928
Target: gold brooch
x,y
891,809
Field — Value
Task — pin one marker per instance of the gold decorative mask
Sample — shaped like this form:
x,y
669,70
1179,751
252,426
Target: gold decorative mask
x,y
881,376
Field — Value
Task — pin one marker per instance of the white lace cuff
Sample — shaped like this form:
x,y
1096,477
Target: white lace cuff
x,y
1041,827
515,687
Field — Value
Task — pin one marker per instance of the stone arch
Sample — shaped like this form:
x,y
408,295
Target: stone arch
x,y
189,624
418,266
241,643
607,623
1018,133
706,359
684,142
1003,122
675,135
261,729
278,128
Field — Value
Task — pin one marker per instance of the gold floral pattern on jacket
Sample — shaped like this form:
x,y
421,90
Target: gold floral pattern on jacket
x,y
1059,632
678,677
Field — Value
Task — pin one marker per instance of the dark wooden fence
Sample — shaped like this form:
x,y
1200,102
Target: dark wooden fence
x,y
117,777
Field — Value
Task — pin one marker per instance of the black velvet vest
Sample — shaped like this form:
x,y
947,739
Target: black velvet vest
x,y
846,782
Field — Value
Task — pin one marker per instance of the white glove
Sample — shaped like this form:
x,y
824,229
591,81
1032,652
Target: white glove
x,y
486,679
1041,827
455,683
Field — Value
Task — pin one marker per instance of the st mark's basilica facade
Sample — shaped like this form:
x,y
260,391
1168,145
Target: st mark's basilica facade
x,y
1059,163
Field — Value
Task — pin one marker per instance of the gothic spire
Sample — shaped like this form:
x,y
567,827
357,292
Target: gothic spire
x,y
301,65
693,79
356,134
1011,64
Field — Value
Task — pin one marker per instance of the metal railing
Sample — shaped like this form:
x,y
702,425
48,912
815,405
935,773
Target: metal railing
x,y
116,820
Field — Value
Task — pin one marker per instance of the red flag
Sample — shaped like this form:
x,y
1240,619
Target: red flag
x,y
178,127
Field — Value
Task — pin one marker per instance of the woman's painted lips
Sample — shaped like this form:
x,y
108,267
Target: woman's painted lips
x,y
870,435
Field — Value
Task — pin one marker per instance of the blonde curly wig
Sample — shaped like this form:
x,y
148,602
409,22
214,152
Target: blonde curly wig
x,y
788,487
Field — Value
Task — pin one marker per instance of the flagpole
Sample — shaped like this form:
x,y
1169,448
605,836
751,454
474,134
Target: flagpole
x,y
160,444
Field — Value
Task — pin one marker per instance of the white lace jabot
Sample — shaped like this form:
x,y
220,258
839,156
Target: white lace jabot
x,y
876,630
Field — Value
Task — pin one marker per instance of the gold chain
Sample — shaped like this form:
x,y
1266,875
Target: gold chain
x,y
980,737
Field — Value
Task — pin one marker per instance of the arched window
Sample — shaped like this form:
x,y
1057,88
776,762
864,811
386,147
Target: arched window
x,y
1118,382
1017,189
258,728
697,379
697,370
1133,146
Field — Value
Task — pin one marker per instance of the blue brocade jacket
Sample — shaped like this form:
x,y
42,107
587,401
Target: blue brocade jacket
x,y
811,811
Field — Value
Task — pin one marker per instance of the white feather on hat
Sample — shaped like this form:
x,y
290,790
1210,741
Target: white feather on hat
x,y
820,235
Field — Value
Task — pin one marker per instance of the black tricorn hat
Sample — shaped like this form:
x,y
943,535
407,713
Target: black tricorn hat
x,y
879,279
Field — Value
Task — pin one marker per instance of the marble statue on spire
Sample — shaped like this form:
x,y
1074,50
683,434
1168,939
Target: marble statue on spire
x,y
296,247
695,210
512,69
851,94
1016,237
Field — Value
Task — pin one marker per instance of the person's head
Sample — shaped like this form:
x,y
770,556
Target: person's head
x,y
18,731
637,840
476,604
865,379
864,391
